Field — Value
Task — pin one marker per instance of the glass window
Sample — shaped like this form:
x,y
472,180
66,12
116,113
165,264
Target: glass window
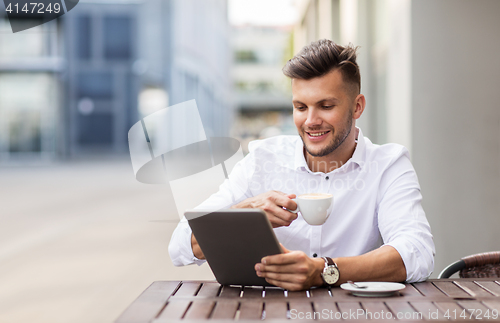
x,y
95,85
14,45
24,131
95,129
83,38
27,106
117,38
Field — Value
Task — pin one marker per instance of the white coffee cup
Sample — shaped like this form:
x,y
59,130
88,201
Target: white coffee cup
x,y
314,207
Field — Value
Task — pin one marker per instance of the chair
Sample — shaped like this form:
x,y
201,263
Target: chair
x,y
475,266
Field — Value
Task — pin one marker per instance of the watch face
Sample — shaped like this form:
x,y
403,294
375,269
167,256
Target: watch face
x,y
331,275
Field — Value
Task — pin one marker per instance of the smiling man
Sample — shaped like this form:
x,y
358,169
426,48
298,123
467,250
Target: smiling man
x,y
377,229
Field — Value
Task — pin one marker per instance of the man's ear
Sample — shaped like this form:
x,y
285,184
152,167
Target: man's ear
x,y
359,106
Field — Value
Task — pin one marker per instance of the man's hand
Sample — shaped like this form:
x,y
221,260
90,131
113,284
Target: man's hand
x,y
272,203
292,270
196,248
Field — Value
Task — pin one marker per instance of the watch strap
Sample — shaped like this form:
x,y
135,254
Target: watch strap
x,y
329,261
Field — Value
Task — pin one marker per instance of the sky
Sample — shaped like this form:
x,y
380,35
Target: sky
x,y
262,12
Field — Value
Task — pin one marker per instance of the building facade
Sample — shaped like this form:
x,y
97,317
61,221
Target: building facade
x,y
89,75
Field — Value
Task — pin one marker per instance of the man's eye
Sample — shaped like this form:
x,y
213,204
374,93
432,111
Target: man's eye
x,y
327,106
300,108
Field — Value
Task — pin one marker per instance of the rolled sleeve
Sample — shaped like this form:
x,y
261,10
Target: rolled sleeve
x,y
418,262
402,221
180,249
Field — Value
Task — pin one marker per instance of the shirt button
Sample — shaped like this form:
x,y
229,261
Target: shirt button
x,y
327,178
315,255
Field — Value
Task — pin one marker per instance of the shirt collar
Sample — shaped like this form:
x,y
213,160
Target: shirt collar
x,y
358,156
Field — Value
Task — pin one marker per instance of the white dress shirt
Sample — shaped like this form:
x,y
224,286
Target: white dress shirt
x,y
377,202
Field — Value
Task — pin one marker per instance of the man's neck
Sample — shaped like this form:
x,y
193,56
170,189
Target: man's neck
x,y
336,158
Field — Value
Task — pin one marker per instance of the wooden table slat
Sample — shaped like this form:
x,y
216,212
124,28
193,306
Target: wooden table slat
x,y
339,293
328,309
230,291
376,311
428,289
252,292
350,310
276,310
272,292
451,310
319,292
200,309
250,310
410,291
494,305
403,311
149,303
492,287
225,309
473,289
451,289
175,310
429,311
187,289
299,294
476,309
301,309
209,289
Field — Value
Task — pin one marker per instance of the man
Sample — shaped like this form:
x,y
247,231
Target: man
x,y
377,230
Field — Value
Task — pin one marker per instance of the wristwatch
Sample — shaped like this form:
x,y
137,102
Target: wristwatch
x,y
331,272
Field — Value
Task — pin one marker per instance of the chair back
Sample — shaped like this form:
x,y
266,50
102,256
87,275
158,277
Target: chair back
x,y
482,265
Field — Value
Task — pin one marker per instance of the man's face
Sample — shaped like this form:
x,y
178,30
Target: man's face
x,y
324,109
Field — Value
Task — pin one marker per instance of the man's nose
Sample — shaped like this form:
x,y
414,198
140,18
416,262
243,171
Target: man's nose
x,y
313,118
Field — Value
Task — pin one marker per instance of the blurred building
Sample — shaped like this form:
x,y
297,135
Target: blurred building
x,y
75,85
100,86
259,56
262,93
31,64
429,72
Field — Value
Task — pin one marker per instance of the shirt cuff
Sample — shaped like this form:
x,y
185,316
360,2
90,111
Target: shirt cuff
x,y
418,265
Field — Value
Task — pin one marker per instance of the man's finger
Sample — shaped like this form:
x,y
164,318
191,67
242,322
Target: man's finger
x,y
285,201
286,269
279,217
283,259
286,277
286,285
283,214
277,222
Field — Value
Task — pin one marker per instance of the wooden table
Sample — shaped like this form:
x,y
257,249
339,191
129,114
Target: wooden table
x,y
444,299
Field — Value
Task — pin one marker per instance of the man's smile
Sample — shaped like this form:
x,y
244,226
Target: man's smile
x,y
317,135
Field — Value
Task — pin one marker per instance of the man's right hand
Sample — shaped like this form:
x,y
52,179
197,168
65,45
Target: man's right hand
x,y
272,203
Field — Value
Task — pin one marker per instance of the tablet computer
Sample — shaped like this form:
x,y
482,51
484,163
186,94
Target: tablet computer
x,y
233,241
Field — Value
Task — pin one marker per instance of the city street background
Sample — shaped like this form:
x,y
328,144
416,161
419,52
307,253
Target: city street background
x,y
80,237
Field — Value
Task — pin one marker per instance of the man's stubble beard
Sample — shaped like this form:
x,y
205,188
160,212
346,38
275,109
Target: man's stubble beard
x,y
337,140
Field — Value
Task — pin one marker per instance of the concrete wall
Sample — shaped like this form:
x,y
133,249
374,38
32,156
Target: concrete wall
x,y
456,118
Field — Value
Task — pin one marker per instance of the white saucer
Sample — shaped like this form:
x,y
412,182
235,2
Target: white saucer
x,y
374,289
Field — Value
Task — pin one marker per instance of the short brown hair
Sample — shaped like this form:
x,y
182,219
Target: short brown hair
x,y
321,57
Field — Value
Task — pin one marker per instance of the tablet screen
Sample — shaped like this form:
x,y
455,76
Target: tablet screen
x,y
233,241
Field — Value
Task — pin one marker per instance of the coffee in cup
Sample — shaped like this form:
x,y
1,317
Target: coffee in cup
x,y
314,207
